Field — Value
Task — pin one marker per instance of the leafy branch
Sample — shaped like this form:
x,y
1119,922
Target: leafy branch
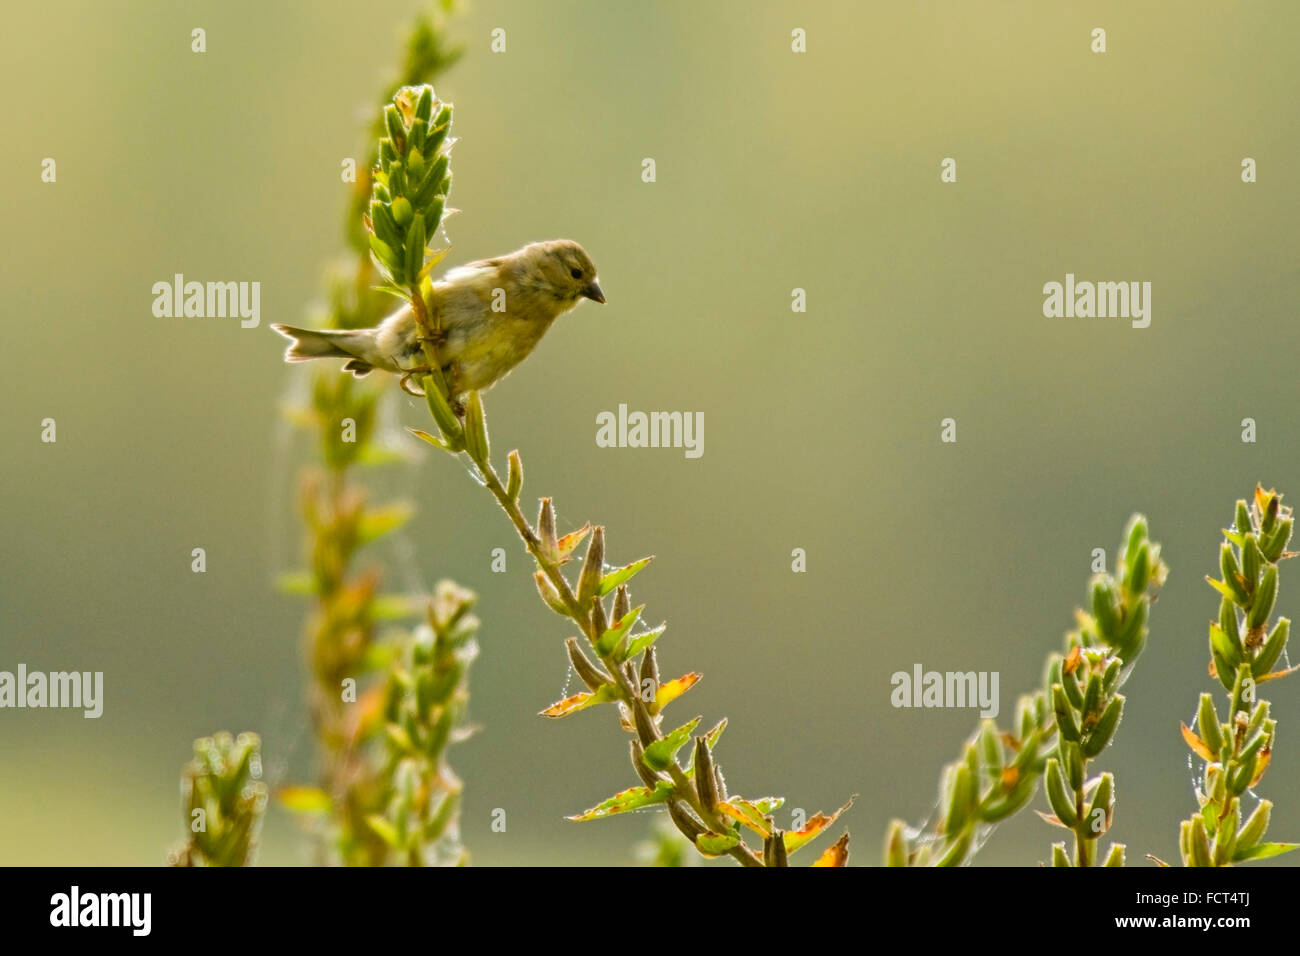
x,y
369,791
1057,731
408,201
425,701
1243,653
224,801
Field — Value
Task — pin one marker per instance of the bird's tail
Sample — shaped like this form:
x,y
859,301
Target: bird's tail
x,y
311,344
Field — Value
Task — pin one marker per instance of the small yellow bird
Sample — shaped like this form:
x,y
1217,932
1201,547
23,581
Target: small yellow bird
x,y
492,313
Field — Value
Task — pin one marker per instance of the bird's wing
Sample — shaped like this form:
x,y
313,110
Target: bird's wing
x,y
465,293
475,267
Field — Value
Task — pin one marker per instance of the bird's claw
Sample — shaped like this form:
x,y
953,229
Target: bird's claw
x,y
405,382
457,406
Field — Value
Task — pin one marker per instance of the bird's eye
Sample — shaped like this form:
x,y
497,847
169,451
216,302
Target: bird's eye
x,y
576,273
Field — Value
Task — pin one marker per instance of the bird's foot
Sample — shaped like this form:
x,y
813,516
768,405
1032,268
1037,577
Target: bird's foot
x,y
405,382
457,405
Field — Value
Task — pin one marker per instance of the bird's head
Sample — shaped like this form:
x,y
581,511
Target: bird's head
x,y
566,269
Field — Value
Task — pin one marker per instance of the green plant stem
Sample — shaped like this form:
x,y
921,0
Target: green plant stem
x,y
1085,841
428,329
683,790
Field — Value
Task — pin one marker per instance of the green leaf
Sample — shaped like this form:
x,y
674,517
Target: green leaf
x,y
1139,572
1274,544
715,844
1262,851
632,799
515,481
384,830
476,437
386,257
769,805
442,816
415,247
393,122
378,656
378,522
438,129
611,639
642,641
424,105
1028,751
397,183
1136,534
1103,798
1061,802
305,799
443,416
1242,516
993,810
433,211
1272,648
1104,600
296,582
433,440
1101,734
1262,605
1070,684
1221,588
384,226
1252,831
1065,723
373,455
611,581
961,793
397,734
1130,639
661,754
429,188
392,607
747,813
1207,722
415,158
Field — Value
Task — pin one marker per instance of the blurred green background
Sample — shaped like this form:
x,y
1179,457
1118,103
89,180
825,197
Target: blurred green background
x,y
775,171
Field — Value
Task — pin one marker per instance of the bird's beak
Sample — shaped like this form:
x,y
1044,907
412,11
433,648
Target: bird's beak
x,y
593,292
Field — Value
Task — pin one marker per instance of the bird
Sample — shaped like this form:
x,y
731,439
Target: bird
x,y
491,314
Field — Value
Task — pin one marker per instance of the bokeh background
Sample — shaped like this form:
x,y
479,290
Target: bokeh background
x,y
775,171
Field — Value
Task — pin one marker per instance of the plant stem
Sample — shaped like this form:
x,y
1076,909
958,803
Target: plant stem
x,y
683,788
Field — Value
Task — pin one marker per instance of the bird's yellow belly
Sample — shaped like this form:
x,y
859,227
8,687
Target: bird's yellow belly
x,y
485,356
